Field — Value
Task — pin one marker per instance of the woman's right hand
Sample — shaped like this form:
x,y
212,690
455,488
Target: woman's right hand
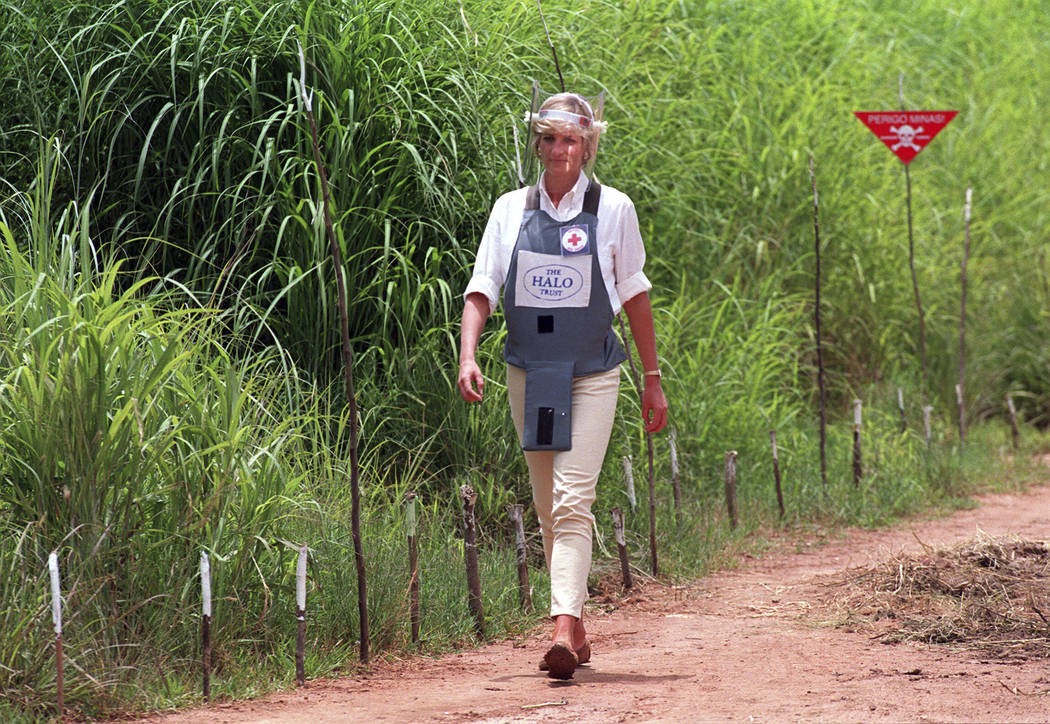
x,y
471,382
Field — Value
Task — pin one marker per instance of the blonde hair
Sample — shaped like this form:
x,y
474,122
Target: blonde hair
x,y
572,103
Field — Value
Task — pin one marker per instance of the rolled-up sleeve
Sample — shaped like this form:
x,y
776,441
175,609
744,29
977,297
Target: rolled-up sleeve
x,y
488,267
629,256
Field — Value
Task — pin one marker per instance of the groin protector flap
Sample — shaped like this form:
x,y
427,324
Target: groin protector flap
x,y
548,406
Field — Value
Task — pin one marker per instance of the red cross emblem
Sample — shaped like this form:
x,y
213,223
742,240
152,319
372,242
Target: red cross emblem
x,y
574,239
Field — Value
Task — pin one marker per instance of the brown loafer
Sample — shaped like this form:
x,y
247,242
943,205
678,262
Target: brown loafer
x,y
583,655
561,661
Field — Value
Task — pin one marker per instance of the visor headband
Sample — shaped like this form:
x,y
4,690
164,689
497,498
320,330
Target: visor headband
x,y
557,115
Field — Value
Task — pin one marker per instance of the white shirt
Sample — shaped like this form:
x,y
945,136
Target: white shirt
x,y
621,254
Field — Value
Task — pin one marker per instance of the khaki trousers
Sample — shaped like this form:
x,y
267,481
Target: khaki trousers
x,y
563,482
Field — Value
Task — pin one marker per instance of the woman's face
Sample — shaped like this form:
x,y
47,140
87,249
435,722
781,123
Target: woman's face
x,y
562,153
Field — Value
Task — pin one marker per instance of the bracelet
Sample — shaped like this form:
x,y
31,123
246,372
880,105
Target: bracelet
x,y
653,373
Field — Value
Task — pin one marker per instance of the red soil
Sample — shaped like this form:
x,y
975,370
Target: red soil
x,y
745,645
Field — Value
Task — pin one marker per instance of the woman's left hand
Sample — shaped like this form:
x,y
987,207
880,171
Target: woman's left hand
x,y
654,405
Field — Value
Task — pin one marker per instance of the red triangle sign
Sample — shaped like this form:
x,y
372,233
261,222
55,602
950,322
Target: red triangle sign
x,y
905,132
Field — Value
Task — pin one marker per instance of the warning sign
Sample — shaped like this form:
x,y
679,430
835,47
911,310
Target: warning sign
x,y
905,132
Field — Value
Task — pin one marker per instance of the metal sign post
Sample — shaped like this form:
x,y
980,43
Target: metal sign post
x,y
907,133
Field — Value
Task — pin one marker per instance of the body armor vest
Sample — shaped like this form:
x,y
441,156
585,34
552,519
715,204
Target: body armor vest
x,y
559,318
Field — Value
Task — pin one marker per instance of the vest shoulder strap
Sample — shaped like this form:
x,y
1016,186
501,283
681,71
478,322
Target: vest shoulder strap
x,y
591,198
532,198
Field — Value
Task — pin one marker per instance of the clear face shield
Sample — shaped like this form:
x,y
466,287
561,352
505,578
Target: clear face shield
x,y
528,165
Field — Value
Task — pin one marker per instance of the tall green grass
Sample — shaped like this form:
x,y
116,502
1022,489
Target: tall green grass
x,y
169,338
132,441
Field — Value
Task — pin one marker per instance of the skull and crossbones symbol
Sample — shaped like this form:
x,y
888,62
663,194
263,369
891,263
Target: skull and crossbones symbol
x,y
906,135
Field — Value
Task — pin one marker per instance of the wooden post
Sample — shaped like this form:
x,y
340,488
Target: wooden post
x,y
413,565
961,387
730,482
816,319
348,364
776,471
926,410
1015,435
675,487
649,451
900,407
557,66
60,686
621,545
470,555
524,590
858,471
628,474
300,615
206,626
56,619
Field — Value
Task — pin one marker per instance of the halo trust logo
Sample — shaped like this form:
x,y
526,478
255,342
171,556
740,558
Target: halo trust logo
x,y
553,282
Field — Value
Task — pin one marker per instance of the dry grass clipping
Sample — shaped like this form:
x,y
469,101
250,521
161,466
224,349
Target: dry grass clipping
x,y
991,595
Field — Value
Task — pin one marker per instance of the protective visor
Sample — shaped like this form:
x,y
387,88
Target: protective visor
x,y
531,167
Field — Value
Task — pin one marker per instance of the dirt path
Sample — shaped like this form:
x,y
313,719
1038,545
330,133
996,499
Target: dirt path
x,y
745,645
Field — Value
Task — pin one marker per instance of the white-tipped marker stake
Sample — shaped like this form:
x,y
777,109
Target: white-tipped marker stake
x,y
900,407
300,615
411,524
516,512
628,474
56,593
1014,433
960,389
675,487
621,547
206,626
300,583
730,486
816,319
56,619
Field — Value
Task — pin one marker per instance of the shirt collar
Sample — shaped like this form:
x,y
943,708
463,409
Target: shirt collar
x,y
571,204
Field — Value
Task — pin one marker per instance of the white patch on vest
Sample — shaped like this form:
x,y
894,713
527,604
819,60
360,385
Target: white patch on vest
x,y
574,239
547,280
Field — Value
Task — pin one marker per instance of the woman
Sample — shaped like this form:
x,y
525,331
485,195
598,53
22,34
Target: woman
x,y
568,255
